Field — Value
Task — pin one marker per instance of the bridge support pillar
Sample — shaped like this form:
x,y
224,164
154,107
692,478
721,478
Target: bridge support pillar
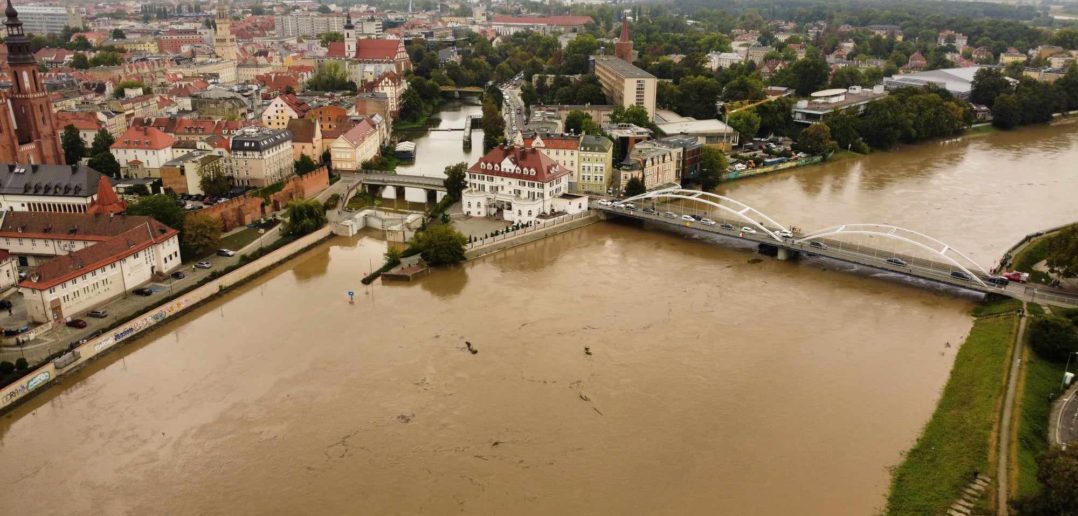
x,y
787,254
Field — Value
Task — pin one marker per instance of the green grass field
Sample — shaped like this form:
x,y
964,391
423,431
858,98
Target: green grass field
x,y
239,240
999,306
1040,388
955,441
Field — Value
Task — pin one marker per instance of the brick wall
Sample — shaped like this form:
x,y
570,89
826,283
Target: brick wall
x,y
300,187
236,212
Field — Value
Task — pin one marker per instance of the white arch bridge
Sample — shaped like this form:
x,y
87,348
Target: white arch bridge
x,y
878,246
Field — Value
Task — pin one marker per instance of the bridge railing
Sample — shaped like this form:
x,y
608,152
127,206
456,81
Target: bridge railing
x,y
525,229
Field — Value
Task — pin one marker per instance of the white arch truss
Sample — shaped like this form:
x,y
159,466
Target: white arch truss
x,y
739,209
909,236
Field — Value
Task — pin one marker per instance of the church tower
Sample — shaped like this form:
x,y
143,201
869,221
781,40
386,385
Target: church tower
x,y
28,129
349,37
623,47
224,43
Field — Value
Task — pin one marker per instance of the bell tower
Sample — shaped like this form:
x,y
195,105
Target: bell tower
x,y
28,129
349,37
224,43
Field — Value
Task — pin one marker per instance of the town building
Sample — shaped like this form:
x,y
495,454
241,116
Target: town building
x,y
824,102
916,63
47,188
311,25
563,149
712,132
86,122
720,60
691,154
306,139
141,151
596,169
175,41
950,37
354,147
28,130
507,25
183,175
261,156
518,185
656,163
958,81
224,42
220,103
393,85
114,262
282,109
1012,55
42,20
626,85
367,59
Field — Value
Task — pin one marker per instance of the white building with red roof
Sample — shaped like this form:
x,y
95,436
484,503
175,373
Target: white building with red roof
x,y
367,59
563,149
282,109
519,185
141,151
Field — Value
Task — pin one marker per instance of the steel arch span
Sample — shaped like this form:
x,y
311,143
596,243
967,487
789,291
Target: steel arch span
x,y
909,236
739,209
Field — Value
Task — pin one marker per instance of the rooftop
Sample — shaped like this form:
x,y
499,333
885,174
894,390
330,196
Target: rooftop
x,y
520,163
48,180
621,67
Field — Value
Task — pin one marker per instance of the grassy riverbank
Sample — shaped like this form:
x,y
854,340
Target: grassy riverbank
x,y
958,439
1040,386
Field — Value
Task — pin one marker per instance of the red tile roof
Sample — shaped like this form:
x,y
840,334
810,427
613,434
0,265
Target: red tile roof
x,y
147,138
369,49
67,226
82,120
518,163
106,201
359,133
66,267
298,105
554,142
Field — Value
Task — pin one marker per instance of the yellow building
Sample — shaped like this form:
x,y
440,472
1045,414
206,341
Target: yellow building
x,y
595,164
626,85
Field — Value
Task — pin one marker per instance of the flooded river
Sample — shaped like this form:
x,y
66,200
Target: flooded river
x,y
715,384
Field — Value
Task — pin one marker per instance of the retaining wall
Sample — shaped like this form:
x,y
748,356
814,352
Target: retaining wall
x,y
41,376
528,235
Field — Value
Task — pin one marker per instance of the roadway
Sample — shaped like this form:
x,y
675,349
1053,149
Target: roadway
x,y
1065,417
513,107
845,252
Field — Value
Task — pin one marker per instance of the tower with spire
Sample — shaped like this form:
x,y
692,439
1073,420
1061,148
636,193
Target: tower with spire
x,y
224,43
623,47
349,36
28,128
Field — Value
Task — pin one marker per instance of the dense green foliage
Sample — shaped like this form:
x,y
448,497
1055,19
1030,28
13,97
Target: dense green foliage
x,y
456,180
1053,337
634,186
304,216
161,207
440,244
105,163
493,125
330,76
305,165
816,140
72,144
1061,252
1057,471
201,233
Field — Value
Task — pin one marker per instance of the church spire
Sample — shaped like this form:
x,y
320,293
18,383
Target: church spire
x,y
18,45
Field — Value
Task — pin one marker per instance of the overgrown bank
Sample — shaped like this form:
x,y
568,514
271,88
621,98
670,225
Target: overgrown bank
x,y
956,441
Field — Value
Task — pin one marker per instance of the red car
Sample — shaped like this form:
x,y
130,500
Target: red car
x,y
76,323
1020,277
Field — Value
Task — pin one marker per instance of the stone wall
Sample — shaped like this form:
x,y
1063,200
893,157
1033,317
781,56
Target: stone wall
x,y
529,234
236,212
300,187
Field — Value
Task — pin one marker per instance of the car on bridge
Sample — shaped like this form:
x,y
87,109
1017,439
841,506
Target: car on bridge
x,y
727,227
961,275
707,222
746,229
688,218
670,215
784,233
818,245
897,261
998,280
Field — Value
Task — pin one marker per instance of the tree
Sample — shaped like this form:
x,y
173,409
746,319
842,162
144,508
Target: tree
x,y
809,75
816,140
440,244
712,165
330,76
456,180
883,123
578,52
128,84
843,126
1006,111
324,9
635,186
103,141
79,61
213,181
304,216
745,122
21,364
201,233
1062,255
71,142
1053,337
1057,472
161,207
988,83
305,165
106,58
330,37
574,121
105,163
118,34
636,115
493,125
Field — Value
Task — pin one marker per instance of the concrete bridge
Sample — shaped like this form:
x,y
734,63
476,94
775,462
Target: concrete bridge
x,y
865,245
421,189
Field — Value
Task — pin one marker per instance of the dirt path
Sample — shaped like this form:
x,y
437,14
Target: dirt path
x,y
1005,420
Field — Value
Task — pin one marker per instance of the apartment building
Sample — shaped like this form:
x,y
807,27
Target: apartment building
x,y
261,156
626,85
595,164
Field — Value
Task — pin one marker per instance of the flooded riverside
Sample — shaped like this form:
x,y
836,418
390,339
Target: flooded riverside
x,y
438,149
715,383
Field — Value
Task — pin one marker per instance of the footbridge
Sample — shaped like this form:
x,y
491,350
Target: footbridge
x,y
414,188
882,247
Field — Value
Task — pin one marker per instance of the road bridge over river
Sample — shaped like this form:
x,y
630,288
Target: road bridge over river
x,y
877,246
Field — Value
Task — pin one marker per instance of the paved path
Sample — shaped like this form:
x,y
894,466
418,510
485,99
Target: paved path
x,y
1005,422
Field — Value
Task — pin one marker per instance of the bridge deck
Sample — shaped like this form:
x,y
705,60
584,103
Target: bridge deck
x,y
425,182
862,256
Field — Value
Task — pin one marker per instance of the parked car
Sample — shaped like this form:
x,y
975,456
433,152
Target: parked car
x,y
897,261
649,211
728,227
707,222
95,333
77,323
746,229
19,330
98,314
818,245
203,265
688,218
178,275
226,252
670,215
998,280
142,291
961,275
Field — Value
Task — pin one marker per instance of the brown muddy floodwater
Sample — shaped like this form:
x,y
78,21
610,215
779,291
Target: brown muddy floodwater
x,y
714,386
